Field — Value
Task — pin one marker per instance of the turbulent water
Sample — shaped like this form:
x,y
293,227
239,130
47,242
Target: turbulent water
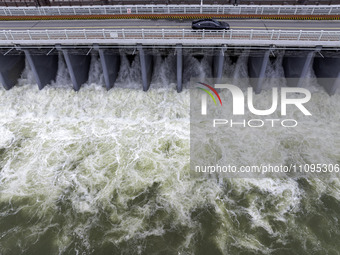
x,y
107,172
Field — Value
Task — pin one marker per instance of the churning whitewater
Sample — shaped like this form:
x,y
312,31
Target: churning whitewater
x,y
107,172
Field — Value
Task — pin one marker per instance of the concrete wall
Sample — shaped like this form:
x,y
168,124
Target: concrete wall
x,y
256,69
11,68
296,68
78,67
44,67
327,70
111,65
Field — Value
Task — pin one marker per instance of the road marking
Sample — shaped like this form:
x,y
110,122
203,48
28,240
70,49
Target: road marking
x,y
136,27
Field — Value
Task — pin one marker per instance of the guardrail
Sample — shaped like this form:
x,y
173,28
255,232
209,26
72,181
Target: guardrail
x,y
170,36
172,9
139,2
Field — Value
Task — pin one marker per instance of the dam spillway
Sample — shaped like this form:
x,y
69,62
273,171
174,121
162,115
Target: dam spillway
x,y
295,63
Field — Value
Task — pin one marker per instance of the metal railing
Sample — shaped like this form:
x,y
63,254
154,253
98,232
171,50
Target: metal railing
x,y
170,36
134,2
172,9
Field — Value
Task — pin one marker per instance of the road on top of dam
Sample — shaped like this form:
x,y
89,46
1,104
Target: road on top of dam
x,y
244,24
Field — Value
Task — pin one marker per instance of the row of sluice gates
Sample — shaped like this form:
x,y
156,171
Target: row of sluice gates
x,y
44,64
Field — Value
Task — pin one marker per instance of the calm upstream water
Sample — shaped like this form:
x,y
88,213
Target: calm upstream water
x,y
107,172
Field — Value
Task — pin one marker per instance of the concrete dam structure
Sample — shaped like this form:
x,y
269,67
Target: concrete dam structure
x,y
43,62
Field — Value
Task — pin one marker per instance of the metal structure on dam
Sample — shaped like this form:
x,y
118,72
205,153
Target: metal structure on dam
x,y
301,51
44,63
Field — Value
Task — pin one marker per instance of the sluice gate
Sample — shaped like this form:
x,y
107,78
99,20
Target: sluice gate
x,y
296,63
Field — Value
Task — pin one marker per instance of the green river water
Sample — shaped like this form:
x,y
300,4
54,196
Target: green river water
x,y
107,172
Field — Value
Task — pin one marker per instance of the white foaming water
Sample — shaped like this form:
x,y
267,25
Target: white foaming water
x,y
63,79
164,71
129,75
119,159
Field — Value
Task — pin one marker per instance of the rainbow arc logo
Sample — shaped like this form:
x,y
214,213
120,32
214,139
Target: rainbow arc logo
x,y
209,93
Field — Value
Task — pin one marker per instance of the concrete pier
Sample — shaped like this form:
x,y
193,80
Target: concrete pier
x,y
11,67
146,62
44,67
218,62
179,67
